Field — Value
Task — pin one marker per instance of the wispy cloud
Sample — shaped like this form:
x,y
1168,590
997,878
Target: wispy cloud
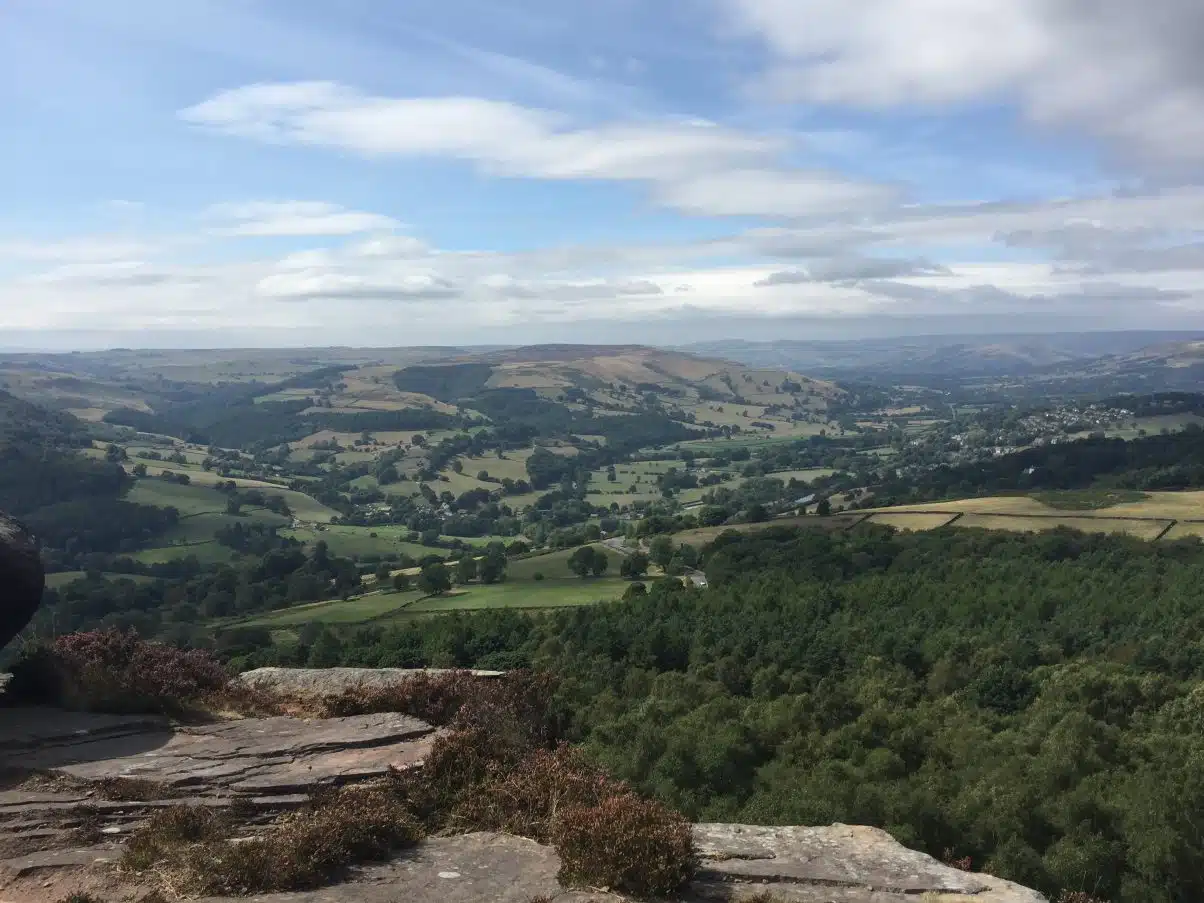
x,y
295,218
695,166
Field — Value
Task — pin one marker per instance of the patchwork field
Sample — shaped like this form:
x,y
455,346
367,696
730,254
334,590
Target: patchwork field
x,y
1147,515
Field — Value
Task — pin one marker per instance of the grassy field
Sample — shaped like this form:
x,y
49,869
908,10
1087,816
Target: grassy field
x,y
803,476
905,521
703,535
187,500
209,552
359,541
1089,499
1146,515
1142,529
302,505
555,565
1164,505
568,592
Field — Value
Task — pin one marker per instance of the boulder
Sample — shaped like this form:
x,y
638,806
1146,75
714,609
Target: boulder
x,y
320,683
22,578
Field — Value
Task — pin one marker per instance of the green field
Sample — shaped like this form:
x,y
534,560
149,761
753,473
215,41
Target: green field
x,y
569,592
206,552
566,592
353,611
555,565
191,499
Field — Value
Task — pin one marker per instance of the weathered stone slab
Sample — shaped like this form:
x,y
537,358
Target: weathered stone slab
x,y
317,683
839,863
266,755
254,756
43,729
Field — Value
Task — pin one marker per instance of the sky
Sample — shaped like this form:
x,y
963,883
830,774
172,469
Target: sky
x,y
207,173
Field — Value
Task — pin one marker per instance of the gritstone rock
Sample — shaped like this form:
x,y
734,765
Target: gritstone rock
x,y
21,578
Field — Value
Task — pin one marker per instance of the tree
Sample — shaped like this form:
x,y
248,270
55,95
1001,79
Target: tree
x,y
434,580
466,569
401,582
688,555
601,562
824,508
492,568
383,572
660,550
139,470
634,566
581,562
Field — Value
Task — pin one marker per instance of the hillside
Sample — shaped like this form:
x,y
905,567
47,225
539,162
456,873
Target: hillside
x,y
943,355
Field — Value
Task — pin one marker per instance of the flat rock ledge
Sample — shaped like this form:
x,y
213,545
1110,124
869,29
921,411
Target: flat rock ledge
x,y
61,832
318,683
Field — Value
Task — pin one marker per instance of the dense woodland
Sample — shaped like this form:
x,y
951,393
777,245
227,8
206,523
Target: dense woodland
x,y
1035,703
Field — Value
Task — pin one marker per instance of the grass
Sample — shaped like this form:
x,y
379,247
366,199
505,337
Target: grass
x,y
558,592
206,552
903,521
347,540
153,491
188,500
836,522
803,476
1089,499
1142,529
555,565
1160,505
353,611
567,592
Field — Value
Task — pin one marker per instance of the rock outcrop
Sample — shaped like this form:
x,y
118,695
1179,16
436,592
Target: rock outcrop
x,y
320,683
75,784
22,578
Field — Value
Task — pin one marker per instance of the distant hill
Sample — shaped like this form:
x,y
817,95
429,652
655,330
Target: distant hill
x,y
551,369
991,355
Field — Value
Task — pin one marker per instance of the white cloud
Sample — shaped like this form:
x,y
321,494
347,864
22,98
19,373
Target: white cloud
x,y
774,193
1127,71
89,249
696,166
294,218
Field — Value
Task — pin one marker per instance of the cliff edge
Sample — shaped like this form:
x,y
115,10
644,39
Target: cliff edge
x,y
74,786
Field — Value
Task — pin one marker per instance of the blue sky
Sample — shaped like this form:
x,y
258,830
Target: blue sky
x,y
299,172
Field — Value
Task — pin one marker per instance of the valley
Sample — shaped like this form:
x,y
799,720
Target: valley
x,y
773,594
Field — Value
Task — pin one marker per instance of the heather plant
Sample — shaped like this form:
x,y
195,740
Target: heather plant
x,y
112,671
625,843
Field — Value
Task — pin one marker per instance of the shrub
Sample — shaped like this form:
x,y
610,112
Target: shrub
x,y
112,671
1078,896
526,799
626,844
308,848
301,850
435,698
166,832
